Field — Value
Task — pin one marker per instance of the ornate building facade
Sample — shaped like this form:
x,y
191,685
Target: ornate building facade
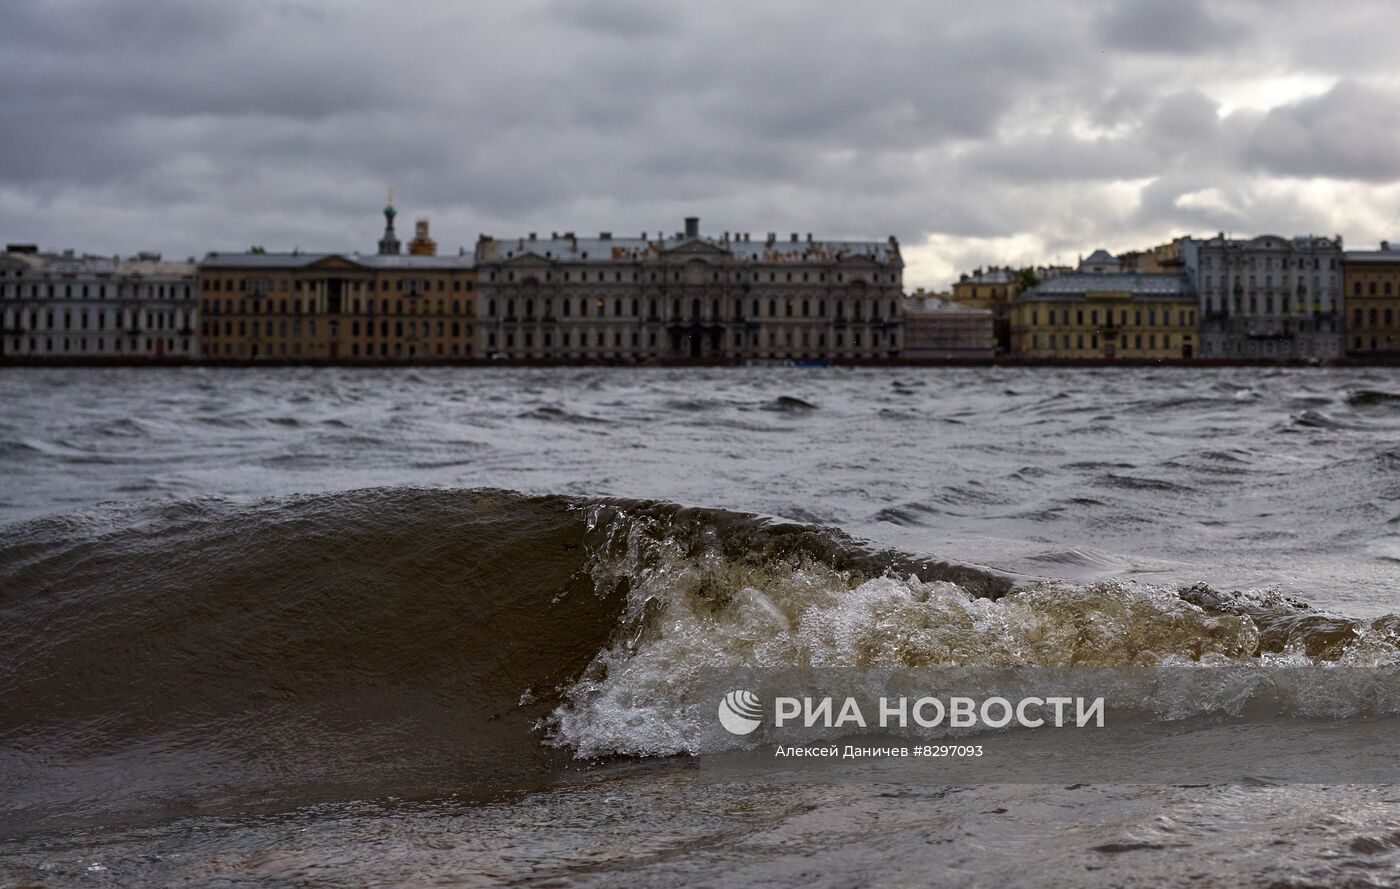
x,y
1101,312
1268,297
65,306
634,300
339,306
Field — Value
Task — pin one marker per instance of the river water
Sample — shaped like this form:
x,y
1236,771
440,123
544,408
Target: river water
x,y
420,625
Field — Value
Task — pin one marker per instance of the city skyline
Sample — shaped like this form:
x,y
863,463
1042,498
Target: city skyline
x,y
1013,134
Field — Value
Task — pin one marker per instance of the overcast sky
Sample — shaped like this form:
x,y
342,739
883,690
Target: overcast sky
x,y
976,132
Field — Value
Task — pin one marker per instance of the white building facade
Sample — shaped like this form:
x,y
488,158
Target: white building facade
x,y
63,306
1268,297
687,297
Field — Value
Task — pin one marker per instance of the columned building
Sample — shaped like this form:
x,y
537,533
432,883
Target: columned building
x,y
341,307
68,306
1269,297
1372,287
727,298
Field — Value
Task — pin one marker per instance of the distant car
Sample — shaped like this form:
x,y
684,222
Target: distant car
x,y
500,356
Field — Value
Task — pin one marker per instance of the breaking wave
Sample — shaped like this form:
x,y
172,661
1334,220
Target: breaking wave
x,y
403,640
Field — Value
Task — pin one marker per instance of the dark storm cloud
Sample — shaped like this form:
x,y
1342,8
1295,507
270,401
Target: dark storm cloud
x,y
197,125
1188,27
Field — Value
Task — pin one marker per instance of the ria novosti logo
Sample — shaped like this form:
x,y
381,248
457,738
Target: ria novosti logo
x,y
740,712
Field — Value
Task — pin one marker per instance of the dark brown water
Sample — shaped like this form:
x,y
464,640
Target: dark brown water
x,y
382,626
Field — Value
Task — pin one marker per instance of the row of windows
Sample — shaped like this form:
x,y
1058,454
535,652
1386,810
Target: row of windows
x,y
1373,317
385,350
80,345
98,321
790,308
1269,348
97,291
1371,289
600,340
267,328
1284,262
1376,345
739,277
1237,283
268,307
1078,341
1185,317
1300,307
267,285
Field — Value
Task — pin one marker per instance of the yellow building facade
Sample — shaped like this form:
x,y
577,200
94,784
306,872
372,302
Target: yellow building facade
x,y
1371,284
336,307
987,288
1106,317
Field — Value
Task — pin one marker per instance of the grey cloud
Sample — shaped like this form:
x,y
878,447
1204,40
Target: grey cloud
x,y
1350,132
189,126
1064,158
1183,27
628,19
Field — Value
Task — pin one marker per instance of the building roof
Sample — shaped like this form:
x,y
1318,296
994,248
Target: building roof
x,y
300,260
1267,241
1389,252
156,268
1100,256
991,276
932,305
1141,286
610,249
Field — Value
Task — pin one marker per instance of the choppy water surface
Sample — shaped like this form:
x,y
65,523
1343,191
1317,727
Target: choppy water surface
x,y
406,626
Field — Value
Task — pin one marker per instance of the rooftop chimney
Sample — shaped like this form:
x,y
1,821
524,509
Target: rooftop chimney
x,y
692,226
794,237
